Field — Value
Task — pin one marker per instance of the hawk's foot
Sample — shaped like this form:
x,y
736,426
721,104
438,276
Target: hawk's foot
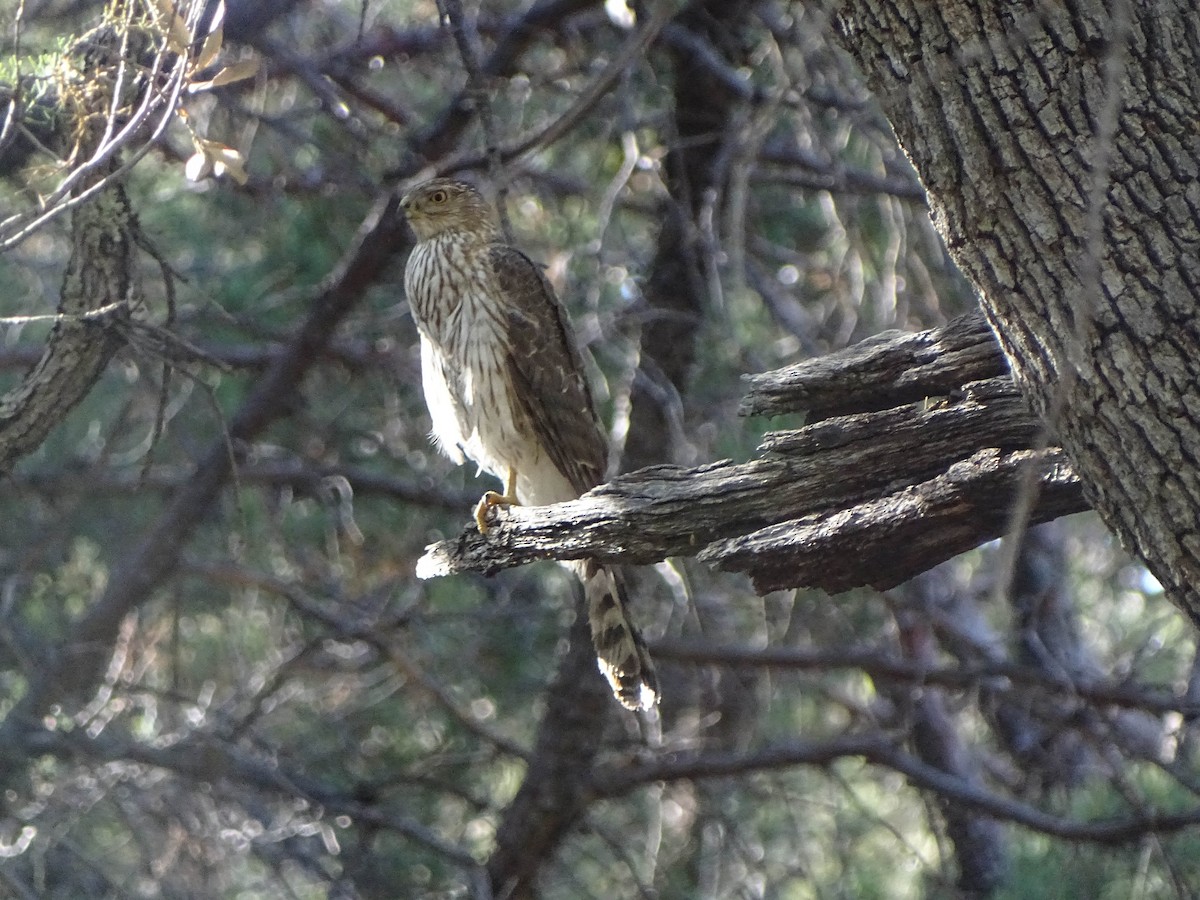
x,y
492,498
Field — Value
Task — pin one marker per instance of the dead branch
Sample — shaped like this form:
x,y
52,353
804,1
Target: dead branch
x,y
872,493
888,369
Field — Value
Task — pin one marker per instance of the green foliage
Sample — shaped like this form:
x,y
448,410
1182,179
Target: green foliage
x,y
1156,870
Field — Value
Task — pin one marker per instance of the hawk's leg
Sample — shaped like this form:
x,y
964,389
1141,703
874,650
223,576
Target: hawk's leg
x,y
491,498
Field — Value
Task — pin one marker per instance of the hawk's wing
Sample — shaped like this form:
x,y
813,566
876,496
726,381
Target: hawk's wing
x,y
547,370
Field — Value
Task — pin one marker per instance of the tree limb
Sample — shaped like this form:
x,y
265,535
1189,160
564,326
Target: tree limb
x,y
882,664
888,369
871,497
611,781
100,288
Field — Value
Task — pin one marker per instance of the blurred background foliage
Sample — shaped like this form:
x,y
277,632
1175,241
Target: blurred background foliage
x,y
292,714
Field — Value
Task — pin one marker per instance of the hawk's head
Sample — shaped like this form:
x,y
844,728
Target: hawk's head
x,y
445,204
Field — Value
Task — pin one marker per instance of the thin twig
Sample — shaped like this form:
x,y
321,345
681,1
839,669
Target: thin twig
x,y
634,47
64,197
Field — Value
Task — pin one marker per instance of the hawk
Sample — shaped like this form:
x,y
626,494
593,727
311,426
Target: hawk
x,y
505,386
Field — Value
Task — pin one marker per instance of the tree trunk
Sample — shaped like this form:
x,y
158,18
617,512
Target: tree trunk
x,y
1057,142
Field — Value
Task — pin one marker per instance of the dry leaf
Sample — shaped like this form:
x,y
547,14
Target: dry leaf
x,y
180,38
197,166
211,49
218,18
246,68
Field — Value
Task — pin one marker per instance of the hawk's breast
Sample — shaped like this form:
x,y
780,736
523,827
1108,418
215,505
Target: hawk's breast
x,y
465,345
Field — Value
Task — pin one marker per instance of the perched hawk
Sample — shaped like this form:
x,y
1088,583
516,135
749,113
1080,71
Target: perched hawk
x,y
505,386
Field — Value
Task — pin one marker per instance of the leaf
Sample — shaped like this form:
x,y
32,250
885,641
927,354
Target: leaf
x,y
211,49
216,37
223,159
180,37
230,161
216,158
197,166
246,68
218,18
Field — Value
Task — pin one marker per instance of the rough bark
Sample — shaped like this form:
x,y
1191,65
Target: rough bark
x,y
1057,144
869,498
888,369
99,291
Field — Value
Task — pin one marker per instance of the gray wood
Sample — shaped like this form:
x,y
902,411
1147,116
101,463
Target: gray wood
x,y
870,498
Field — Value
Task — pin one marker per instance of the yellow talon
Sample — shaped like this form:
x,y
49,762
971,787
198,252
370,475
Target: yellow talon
x,y
491,498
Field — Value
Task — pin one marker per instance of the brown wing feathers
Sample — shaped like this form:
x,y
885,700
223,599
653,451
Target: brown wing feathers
x,y
549,367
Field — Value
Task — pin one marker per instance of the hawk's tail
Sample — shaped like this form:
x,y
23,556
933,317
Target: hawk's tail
x,y
620,650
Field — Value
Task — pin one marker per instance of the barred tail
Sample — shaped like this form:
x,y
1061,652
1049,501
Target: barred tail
x,y
620,650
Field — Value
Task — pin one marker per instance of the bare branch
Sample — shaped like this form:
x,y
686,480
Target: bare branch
x,y
884,542
302,476
100,289
882,665
869,498
613,781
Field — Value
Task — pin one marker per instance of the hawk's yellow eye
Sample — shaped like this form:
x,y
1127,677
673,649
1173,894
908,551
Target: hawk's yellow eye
x,y
437,197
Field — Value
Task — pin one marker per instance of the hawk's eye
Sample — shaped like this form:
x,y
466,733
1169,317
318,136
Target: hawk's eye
x,y
438,196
